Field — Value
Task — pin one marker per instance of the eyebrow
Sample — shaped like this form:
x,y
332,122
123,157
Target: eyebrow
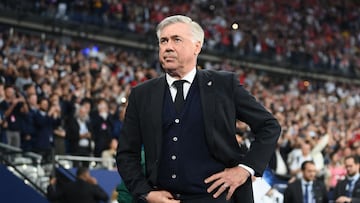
x,y
171,37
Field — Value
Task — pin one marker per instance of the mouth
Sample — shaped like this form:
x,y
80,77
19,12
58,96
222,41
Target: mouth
x,y
169,58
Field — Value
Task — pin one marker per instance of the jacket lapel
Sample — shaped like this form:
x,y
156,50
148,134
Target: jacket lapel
x,y
299,191
207,96
156,105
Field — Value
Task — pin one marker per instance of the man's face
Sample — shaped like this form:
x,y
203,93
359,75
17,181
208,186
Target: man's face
x,y
305,148
44,105
177,51
103,107
10,93
31,90
351,167
309,173
33,100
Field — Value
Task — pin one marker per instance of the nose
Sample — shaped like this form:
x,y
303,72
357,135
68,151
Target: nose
x,y
168,47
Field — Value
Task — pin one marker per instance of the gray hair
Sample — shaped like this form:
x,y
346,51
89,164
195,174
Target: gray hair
x,y
196,30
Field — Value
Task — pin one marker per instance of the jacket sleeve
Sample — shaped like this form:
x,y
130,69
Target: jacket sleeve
x,y
100,194
53,193
262,123
288,195
128,156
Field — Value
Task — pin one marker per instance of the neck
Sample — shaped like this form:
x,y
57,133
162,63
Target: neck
x,y
175,74
179,73
353,175
307,181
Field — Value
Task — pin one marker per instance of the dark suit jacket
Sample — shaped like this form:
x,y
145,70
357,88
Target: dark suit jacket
x,y
294,193
72,135
83,192
44,129
340,190
101,129
223,101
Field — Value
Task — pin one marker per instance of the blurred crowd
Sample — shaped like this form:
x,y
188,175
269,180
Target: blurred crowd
x,y
64,95
320,35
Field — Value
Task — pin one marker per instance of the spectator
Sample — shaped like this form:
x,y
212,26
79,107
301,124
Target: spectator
x,y
335,171
23,79
29,125
15,110
297,157
59,131
318,141
79,133
102,127
53,193
277,164
83,190
46,120
306,189
117,121
347,190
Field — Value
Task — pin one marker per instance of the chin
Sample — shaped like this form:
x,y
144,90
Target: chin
x,y
169,67
171,71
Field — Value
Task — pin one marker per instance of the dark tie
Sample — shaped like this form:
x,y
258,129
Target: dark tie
x,y
179,98
306,195
349,188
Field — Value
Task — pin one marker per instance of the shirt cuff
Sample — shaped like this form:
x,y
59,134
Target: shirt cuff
x,y
250,170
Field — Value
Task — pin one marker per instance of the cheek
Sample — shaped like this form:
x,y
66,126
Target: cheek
x,y
161,51
160,55
187,53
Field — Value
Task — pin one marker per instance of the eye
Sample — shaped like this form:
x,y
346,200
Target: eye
x,y
163,41
177,40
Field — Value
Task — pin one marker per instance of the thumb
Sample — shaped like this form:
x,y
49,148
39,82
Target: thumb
x,y
168,195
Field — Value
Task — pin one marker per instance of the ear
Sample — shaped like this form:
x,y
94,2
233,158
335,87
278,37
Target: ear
x,y
197,48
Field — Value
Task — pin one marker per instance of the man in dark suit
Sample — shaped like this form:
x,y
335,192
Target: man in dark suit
x,y
307,189
79,134
348,190
45,121
102,127
83,190
185,120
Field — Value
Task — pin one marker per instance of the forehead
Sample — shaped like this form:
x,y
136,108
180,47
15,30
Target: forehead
x,y
175,29
309,166
349,162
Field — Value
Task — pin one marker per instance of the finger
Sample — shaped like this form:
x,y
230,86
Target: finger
x,y
169,197
220,190
215,185
213,177
230,193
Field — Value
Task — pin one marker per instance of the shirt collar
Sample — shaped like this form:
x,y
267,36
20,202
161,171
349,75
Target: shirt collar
x,y
188,77
355,177
304,182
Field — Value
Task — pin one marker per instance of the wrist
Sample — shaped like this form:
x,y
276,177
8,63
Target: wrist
x,y
248,169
